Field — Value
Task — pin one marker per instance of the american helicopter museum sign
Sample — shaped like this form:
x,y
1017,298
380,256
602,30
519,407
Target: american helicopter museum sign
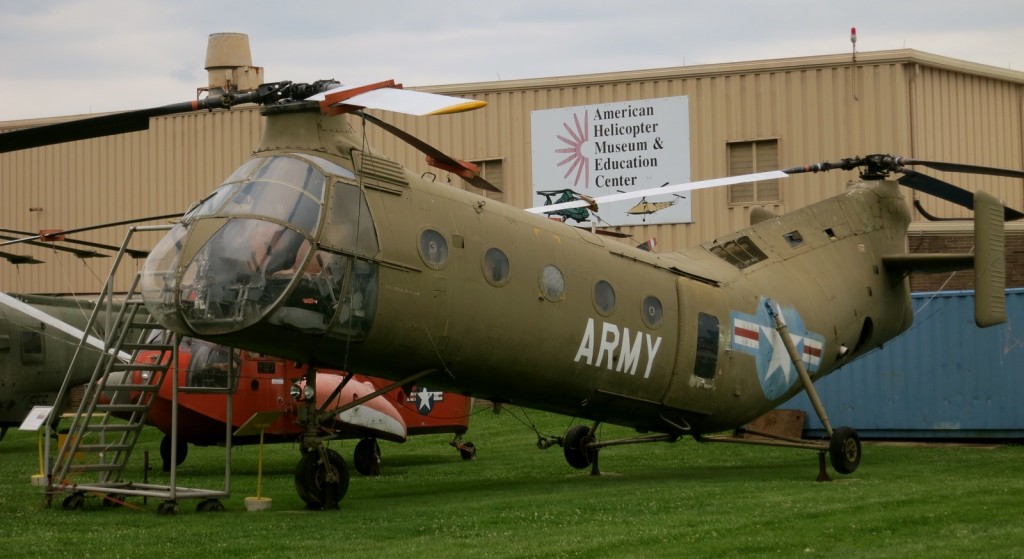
x,y
598,150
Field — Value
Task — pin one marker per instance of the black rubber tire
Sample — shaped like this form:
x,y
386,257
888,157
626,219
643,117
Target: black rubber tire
x,y
844,450
366,457
167,508
165,452
310,474
210,505
574,445
74,501
468,451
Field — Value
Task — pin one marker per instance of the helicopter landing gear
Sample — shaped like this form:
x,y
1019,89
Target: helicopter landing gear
x,y
366,457
844,450
467,450
321,478
577,445
165,452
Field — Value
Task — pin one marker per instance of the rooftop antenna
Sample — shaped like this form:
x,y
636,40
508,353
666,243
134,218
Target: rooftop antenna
x,y
853,41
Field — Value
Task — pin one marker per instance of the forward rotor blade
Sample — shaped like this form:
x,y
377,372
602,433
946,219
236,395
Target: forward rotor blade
x,y
98,126
684,187
387,96
947,192
962,168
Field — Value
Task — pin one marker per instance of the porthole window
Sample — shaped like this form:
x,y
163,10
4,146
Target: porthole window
x,y
433,249
496,269
604,297
552,283
652,311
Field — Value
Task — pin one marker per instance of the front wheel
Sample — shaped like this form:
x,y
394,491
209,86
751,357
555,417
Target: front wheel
x,y
313,479
844,450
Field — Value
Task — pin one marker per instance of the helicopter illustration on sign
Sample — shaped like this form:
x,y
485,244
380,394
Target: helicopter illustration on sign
x,y
329,254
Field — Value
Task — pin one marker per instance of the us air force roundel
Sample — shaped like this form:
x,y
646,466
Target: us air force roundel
x,y
756,335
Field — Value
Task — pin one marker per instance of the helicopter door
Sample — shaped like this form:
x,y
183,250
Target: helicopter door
x,y
702,311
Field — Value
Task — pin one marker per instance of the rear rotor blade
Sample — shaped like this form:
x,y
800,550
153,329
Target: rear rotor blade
x,y
946,191
962,168
445,161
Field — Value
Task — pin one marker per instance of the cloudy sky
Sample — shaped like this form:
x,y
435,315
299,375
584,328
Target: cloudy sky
x,y
60,57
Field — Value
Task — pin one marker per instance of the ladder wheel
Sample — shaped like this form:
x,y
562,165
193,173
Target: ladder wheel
x,y
167,508
74,501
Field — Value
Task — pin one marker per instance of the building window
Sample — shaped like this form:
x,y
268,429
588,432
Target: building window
x,y
754,157
492,171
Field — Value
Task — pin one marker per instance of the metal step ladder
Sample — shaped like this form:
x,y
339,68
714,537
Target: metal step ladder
x,y
117,399
93,455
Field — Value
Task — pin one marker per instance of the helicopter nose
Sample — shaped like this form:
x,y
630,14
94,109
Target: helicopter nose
x,y
224,275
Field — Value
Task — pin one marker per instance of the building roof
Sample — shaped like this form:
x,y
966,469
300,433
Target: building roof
x,y
900,56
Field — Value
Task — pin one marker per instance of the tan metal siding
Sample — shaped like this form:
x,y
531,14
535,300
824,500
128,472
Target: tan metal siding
x,y
968,119
160,171
813,112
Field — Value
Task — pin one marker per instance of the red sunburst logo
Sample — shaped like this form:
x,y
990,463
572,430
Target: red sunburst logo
x,y
577,162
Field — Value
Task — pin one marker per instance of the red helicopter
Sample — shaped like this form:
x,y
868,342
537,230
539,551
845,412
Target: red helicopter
x,y
262,383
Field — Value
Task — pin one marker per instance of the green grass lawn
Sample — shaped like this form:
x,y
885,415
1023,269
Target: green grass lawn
x,y
655,500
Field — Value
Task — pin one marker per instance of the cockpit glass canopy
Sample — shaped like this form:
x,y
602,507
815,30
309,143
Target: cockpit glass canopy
x,y
249,251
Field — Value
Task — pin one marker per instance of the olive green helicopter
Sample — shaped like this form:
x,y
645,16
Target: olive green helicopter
x,y
321,251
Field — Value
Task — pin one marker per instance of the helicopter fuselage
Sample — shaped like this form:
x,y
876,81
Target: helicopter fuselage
x,y
380,272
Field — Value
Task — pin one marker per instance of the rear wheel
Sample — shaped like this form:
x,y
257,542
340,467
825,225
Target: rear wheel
x,y
165,452
367,457
844,450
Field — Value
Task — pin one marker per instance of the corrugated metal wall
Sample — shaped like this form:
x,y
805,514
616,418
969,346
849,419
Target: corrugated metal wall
x,y
943,378
817,108
160,171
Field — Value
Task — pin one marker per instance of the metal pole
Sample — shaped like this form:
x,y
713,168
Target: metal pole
x,y
783,330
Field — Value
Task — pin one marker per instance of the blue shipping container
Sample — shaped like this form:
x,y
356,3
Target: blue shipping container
x,y
943,378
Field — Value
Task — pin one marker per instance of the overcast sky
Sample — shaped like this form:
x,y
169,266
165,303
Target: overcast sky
x,y
60,57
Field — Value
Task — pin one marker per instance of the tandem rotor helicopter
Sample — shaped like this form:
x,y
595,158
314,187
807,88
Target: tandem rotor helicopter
x,y
321,251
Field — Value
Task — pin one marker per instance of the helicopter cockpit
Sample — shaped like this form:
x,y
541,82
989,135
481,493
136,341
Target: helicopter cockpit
x,y
287,238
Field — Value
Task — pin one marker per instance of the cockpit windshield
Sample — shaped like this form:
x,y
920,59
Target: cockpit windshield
x,y
283,188
249,251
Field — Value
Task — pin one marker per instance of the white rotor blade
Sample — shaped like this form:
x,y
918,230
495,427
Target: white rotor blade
x,y
417,103
684,187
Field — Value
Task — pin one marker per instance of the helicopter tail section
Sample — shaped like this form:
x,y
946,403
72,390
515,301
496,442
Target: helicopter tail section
x,y
989,261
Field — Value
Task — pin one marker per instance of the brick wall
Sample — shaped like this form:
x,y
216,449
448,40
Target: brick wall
x,y
963,243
